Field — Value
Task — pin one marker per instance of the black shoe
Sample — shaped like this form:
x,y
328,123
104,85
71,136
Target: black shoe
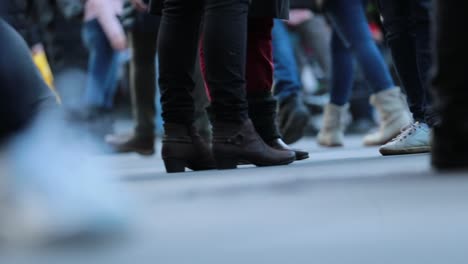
x,y
280,145
143,145
236,142
184,148
293,118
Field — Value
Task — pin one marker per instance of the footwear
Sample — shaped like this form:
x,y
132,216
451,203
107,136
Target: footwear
x,y
293,118
450,147
263,113
235,142
280,145
394,116
413,139
183,147
131,143
332,131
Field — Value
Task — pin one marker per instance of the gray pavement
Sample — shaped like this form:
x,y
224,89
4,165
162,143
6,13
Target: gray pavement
x,y
344,205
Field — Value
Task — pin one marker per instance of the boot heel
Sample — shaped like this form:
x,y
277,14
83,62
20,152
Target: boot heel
x,y
226,163
174,165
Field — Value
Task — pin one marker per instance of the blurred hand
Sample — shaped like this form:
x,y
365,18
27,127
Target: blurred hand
x,y
119,42
299,16
139,5
37,48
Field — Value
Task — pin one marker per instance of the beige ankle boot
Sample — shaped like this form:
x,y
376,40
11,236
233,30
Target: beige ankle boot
x,y
394,116
332,132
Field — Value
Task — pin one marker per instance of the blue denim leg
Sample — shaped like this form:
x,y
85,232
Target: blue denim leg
x,y
286,77
103,67
342,75
350,24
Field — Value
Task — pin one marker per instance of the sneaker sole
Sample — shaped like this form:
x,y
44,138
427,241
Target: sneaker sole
x,y
416,150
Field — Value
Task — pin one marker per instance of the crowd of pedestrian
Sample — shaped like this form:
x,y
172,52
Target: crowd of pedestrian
x,y
240,80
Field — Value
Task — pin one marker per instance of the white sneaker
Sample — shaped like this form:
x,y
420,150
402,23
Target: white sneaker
x,y
413,139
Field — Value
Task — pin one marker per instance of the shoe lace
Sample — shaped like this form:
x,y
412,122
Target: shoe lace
x,y
406,132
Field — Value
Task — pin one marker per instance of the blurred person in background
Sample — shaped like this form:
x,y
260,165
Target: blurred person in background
x,y
143,35
104,36
225,52
407,26
449,82
45,202
352,37
293,114
142,38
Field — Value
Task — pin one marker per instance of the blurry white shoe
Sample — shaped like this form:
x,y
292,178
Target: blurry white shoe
x,y
413,139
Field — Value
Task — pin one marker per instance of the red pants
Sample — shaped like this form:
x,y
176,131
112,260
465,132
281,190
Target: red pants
x,y
259,68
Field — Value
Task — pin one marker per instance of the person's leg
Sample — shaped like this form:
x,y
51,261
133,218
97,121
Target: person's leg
x,y
102,67
316,34
224,44
286,74
259,78
101,83
420,29
225,51
349,20
177,46
407,34
450,145
262,104
293,114
342,74
142,89
396,21
332,131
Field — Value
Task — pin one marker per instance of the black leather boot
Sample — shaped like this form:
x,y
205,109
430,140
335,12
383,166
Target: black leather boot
x,y
235,142
263,113
183,147
279,144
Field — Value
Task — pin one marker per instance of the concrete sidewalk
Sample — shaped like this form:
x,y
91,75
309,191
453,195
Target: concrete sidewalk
x,y
347,205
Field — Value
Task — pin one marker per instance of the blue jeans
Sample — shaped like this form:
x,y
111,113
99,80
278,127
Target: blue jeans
x,y
286,77
407,27
352,37
103,67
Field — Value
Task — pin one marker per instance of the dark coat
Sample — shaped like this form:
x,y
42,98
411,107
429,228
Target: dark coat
x,y
258,8
270,8
310,4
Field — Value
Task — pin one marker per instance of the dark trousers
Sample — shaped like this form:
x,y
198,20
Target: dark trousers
x,y
450,82
22,89
143,80
407,27
225,40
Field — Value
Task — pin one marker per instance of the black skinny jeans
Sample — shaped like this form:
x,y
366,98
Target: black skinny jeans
x,y
225,40
407,27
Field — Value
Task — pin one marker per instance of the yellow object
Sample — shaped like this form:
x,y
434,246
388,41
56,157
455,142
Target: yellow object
x,y
40,59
